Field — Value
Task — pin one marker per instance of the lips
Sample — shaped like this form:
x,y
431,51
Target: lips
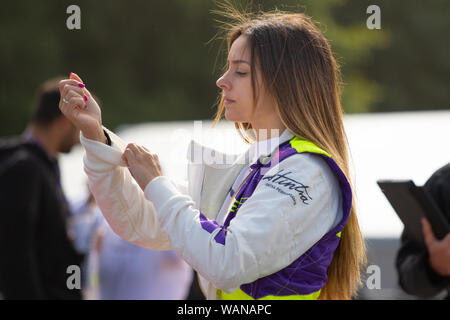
x,y
228,101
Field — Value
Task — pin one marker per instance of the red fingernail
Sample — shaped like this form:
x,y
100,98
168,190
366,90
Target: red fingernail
x,y
81,85
70,74
85,98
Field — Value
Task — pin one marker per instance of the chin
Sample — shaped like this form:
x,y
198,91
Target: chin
x,y
233,117
65,149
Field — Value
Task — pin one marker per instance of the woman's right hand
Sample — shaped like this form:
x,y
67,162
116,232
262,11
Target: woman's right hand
x,y
78,105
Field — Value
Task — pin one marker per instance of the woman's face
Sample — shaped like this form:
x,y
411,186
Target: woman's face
x,y
236,87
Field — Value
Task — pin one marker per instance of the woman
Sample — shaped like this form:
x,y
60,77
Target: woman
x,y
279,226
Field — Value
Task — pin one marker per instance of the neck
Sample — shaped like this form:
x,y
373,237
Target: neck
x,y
46,138
269,132
267,125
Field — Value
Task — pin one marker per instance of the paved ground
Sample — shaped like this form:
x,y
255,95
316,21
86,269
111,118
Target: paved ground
x,y
382,252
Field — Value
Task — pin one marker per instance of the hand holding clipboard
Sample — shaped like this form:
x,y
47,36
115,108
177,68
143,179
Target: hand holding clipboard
x,y
423,220
439,250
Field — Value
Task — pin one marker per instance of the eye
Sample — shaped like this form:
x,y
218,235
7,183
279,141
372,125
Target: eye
x,y
241,74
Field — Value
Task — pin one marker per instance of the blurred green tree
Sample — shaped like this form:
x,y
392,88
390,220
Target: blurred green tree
x,y
151,60
412,68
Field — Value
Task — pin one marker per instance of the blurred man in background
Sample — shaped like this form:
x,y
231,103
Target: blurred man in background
x,y
424,269
129,272
35,250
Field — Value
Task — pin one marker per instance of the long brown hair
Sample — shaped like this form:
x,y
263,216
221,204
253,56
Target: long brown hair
x,y
299,70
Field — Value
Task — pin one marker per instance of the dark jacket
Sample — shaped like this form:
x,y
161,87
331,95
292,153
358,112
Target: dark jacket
x,y
35,250
415,274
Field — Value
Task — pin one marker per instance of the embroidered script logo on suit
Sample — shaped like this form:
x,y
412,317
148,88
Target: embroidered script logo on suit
x,y
281,179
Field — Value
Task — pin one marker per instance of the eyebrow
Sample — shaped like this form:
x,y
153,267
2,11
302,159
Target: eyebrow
x,y
240,61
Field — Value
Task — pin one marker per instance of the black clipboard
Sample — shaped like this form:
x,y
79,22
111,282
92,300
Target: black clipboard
x,y
411,203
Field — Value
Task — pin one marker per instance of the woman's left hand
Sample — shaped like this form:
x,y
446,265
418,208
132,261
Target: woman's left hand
x,y
143,165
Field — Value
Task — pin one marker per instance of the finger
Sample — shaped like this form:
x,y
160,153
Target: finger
x,y
76,102
446,240
125,160
67,108
134,148
75,77
141,153
67,88
428,233
64,82
72,93
129,154
64,101
131,149
87,93
145,149
141,148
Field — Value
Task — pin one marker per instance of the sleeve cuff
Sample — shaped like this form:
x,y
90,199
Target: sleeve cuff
x,y
101,156
108,139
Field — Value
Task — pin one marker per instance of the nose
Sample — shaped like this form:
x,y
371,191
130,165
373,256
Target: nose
x,y
223,82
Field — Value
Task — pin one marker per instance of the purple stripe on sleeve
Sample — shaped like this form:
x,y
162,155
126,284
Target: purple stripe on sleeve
x,y
220,237
210,226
